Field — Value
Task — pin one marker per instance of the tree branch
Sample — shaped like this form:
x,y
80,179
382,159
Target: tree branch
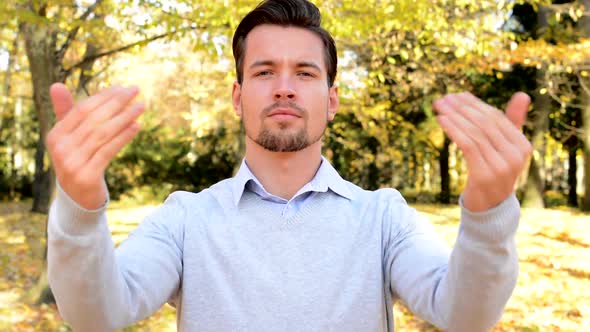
x,y
90,78
123,48
556,98
74,32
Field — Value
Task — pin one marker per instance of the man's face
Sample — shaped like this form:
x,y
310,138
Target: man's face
x,y
284,99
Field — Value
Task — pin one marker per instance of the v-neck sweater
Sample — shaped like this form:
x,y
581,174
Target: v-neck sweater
x,y
338,264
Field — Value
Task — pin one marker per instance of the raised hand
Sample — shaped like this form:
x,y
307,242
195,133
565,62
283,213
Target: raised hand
x,y
87,136
492,143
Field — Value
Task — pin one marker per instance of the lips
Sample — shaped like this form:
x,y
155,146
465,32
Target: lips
x,y
284,112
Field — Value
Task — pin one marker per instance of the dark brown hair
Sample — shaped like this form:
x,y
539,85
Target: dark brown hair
x,y
287,13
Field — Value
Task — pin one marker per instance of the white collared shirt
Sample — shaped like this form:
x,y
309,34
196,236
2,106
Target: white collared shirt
x,y
324,179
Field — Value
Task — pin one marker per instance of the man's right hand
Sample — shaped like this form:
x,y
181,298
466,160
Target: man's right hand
x,y
87,136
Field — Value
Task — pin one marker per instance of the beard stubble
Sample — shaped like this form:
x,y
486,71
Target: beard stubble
x,y
280,140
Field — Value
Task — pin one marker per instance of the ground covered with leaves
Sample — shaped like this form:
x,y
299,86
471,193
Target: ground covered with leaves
x,y
552,294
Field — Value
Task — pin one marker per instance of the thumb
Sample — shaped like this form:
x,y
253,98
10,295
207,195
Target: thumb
x,y
517,108
62,100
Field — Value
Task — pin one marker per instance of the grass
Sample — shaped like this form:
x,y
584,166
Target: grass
x,y
552,294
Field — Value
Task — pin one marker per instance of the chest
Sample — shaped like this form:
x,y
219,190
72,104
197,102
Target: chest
x,y
317,268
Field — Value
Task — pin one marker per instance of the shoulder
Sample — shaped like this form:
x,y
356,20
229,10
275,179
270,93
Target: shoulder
x,y
216,192
215,198
382,196
386,209
381,206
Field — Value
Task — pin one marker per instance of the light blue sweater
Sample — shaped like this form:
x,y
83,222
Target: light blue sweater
x,y
234,264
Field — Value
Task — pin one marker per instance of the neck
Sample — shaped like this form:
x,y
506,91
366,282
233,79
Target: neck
x,y
283,173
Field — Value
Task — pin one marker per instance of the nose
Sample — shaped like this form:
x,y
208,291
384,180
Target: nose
x,y
284,91
284,94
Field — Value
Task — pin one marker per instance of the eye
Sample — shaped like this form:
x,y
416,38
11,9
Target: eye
x,y
263,73
306,74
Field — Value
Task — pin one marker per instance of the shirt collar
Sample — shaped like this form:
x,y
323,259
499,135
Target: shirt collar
x,y
325,178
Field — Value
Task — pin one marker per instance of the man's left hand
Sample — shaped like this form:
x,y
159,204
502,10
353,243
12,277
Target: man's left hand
x,y
492,143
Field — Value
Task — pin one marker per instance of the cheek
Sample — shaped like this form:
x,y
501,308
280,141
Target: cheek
x,y
250,113
253,97
320,105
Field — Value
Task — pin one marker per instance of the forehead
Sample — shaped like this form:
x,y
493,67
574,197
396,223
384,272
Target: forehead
x,y
283,44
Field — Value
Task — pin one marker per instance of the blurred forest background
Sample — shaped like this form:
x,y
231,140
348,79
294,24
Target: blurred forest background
x,y
396,57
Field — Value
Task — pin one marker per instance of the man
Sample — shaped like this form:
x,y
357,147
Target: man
x,y
287,244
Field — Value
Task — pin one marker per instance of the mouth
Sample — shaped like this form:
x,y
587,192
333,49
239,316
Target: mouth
x,y
284,113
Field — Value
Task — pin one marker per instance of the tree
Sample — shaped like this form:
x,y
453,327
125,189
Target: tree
x,y
10,109
64,38
51,48
547,38
414,51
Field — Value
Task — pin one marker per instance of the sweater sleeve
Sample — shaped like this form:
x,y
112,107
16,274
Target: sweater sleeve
x,y
98,288
465,289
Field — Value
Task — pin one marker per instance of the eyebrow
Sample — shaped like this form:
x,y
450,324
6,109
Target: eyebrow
x,y
302,64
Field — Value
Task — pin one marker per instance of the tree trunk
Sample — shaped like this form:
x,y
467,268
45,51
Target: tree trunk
x,y
42,183
413,170
8,104
7,100
400,180
86,74
533,197
586,183
533,188
586,150
572,179
45,69
40,45
445,178
17,147
584,28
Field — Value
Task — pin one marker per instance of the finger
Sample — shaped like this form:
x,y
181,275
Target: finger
x,y
517,109
505,155
476,123
115,105
81,110
499,117
484,162
61,99
496,118
109,129
465,144
92,128
86,147
107,152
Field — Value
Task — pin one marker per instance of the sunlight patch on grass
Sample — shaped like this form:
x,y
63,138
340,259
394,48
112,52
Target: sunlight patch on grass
x,y
553,288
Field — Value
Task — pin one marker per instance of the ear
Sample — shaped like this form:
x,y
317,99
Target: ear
x,y
236,95
333,102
